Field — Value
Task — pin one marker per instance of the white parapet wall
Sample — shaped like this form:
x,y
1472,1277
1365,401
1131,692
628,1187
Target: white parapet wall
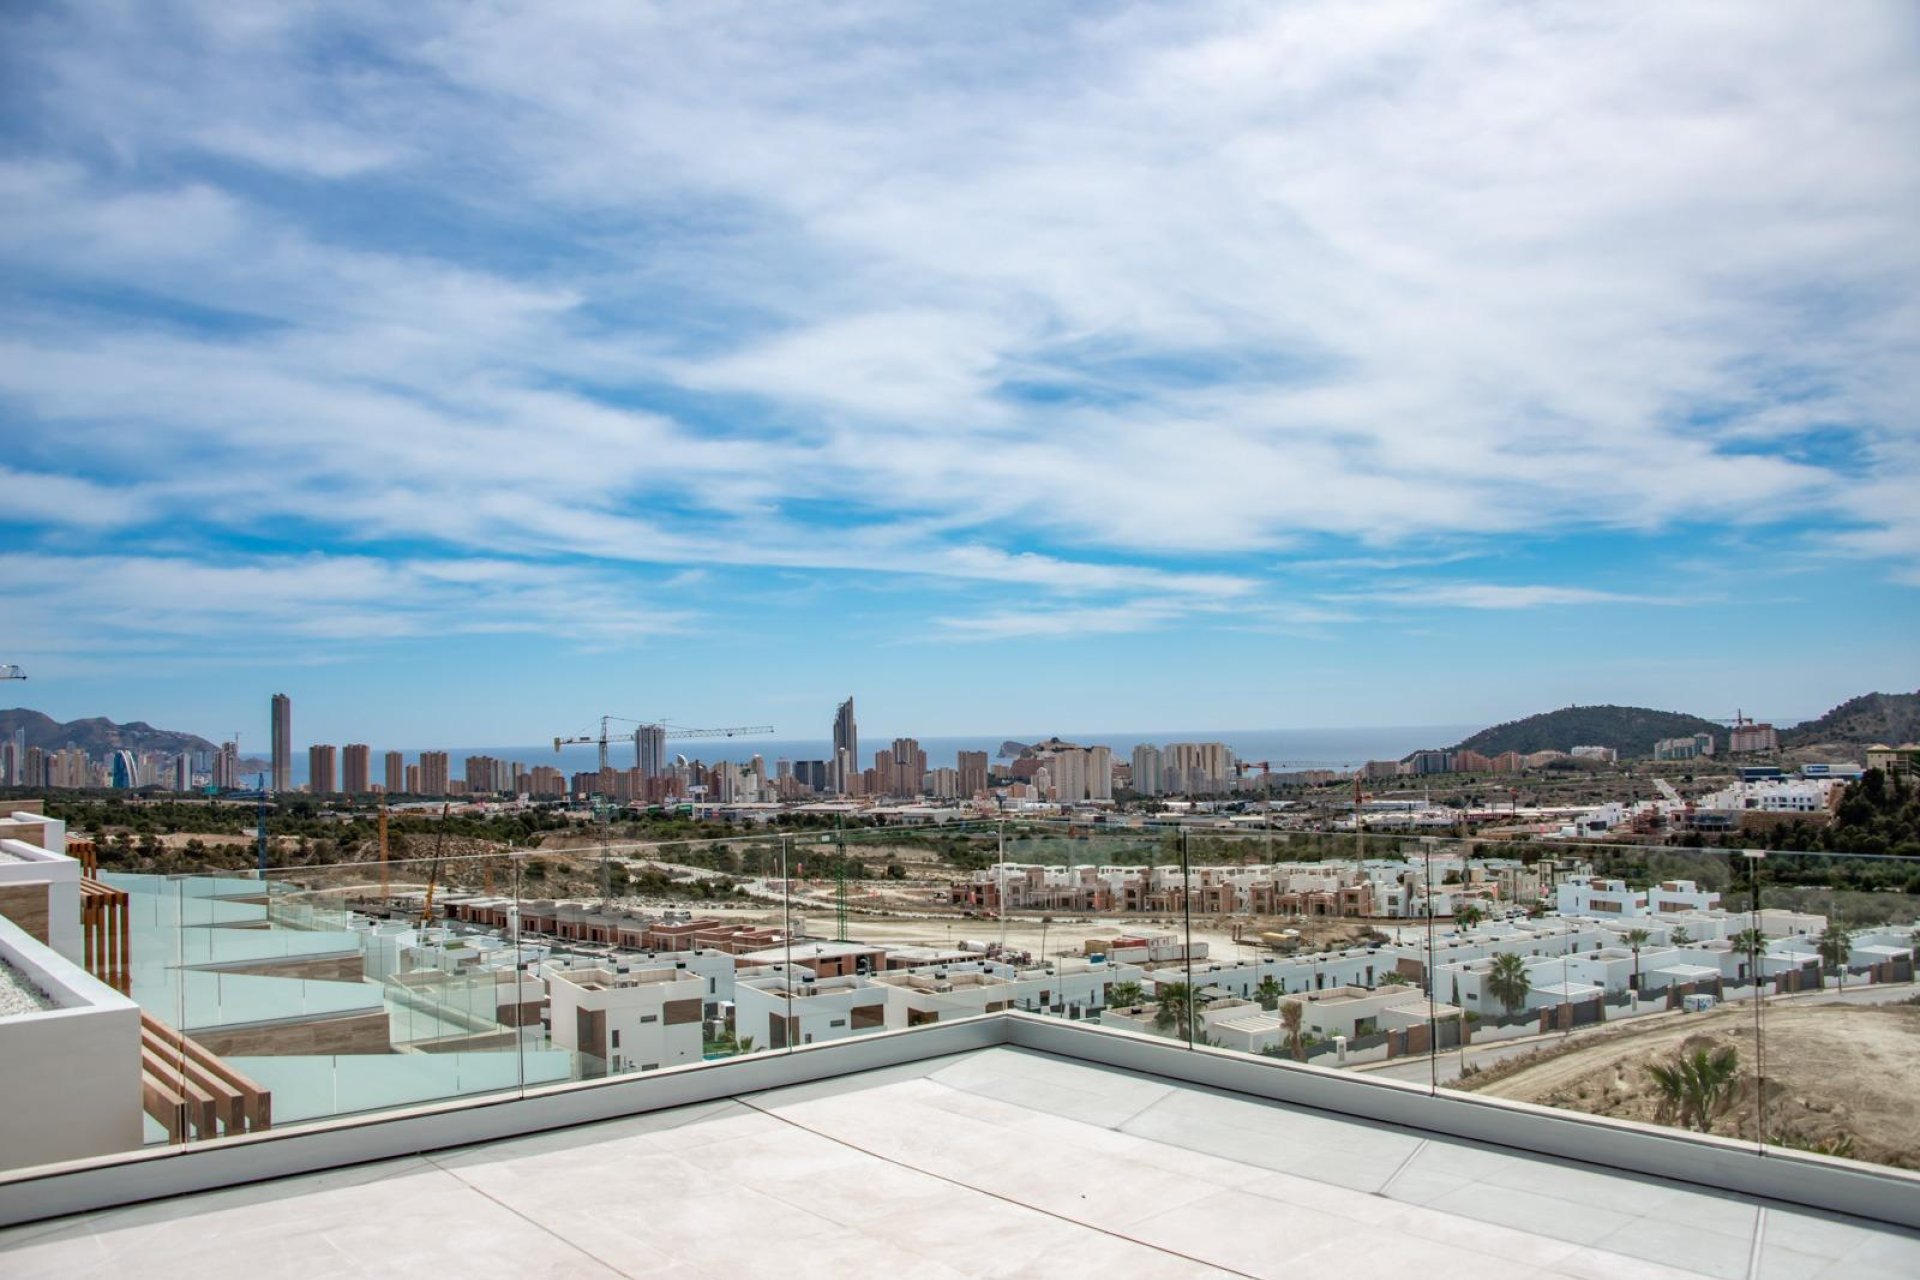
x,y
69,1075
28,865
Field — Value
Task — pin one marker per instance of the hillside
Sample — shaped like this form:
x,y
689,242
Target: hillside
x,y
1631,731
97,735
1892,718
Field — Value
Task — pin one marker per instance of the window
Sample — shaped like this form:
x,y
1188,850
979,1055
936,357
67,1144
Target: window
x,y
838,1022
616,1039
649,1017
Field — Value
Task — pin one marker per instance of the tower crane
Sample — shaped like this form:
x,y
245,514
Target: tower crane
x,y
731,731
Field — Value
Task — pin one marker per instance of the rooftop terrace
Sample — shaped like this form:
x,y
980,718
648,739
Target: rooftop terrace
x,y
997,1162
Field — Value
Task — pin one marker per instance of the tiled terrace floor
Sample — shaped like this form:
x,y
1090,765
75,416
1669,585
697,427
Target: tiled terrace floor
x,y
995,1163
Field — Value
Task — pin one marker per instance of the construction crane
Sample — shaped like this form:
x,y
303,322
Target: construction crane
x,y
11,672
732,731
433,871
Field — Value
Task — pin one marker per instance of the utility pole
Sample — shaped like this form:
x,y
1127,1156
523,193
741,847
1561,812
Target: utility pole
x,y
261,824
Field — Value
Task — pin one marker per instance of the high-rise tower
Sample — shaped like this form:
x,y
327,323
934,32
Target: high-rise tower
x,y
650,750
282,742
846,745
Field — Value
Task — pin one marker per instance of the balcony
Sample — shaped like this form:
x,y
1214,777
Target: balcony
x,y
995,1160
984,1094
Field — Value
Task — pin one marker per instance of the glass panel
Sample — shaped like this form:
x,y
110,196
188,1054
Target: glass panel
x,y
1622,992
382,984
1835,939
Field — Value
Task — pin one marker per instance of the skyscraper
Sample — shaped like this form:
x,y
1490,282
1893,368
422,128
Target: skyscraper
x,y
973,773
396,773
355,771
1146,770
433,773
909,767
1100,773
282,742
650,750
846,738
320,771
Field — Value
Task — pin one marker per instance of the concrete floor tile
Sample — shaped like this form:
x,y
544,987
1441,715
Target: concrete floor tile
x,y
1679,1244
1599,1264
1000,1163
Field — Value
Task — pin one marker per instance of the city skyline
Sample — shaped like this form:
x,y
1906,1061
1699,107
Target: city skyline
x,y
1206,369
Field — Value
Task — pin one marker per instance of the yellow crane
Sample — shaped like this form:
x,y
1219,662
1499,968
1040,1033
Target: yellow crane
x,y
671,731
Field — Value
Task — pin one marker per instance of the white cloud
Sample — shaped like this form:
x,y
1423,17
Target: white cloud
x,y
1488,595
319,599
662,284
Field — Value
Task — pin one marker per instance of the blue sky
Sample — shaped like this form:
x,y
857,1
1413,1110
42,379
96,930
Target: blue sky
x,y
469,371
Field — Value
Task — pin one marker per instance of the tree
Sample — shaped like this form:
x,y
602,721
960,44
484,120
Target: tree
x,y
1750,943
1467,915
1697,1088
1290,1015
1836,948
1268,993
1123,995
1680,937
1177,1006
1637,938
1507,981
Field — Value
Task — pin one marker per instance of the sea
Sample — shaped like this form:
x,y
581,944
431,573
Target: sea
x,y
1283,748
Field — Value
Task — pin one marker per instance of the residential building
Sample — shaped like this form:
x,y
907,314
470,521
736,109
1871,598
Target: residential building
x,y
282,742
846,745
630,1019
909,767
650,751
396,773
1748,738
973,773
1904,758
1686,748
355,772
1146,770
322,776
434,775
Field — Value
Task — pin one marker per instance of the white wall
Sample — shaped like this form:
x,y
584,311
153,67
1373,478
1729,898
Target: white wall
x,y
71,1083
62,876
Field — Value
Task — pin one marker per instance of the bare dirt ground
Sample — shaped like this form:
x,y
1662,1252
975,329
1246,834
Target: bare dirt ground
x,y
1834,1072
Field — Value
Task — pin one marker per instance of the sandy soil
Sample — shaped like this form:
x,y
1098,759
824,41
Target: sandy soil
x,y
1833,1071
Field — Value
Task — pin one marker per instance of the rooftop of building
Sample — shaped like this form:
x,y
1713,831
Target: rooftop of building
x,y
997,1162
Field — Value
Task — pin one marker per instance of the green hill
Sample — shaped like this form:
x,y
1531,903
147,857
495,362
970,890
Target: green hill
x,y
1631,731
1892,718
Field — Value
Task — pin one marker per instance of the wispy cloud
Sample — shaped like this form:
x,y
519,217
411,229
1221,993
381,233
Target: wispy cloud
x,y
1139,310
1489,595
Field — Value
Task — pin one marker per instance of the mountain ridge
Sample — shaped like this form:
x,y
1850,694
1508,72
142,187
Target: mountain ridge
x,y
96,735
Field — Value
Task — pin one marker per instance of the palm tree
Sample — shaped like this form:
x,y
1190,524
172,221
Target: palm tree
x,y
1507,981
1836,948
1637,938
1268,993
1467,915
1178,1005
1750,943
1123,995
1680,937
1697,1088
1290,1013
